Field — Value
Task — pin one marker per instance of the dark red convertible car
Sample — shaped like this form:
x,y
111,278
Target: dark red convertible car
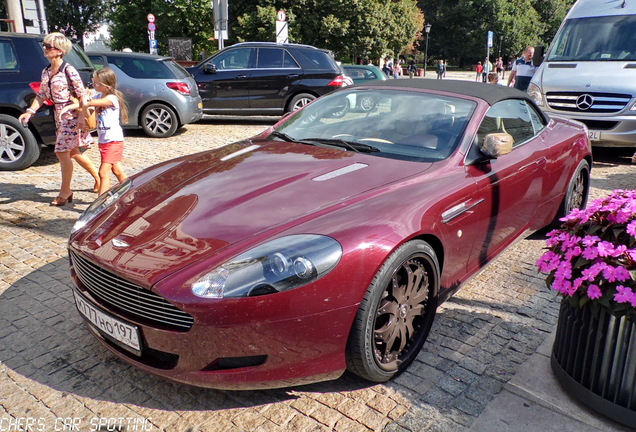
x,y
327,242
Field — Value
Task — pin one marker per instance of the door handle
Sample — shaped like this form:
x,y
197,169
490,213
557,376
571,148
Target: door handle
x,y
241,76
292,76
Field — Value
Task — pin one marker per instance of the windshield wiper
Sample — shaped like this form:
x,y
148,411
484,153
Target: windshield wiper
x,y
283,136
349,145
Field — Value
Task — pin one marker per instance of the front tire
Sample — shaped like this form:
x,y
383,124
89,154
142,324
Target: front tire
x,y
159,121
396,314
18,147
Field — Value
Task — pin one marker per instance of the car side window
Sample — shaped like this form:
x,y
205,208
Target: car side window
x,y
511,116
8,59
537,120
238,58
288,61
270,58
98,62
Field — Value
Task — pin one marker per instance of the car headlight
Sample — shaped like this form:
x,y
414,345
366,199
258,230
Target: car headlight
x,y
276,266
100,204
535,93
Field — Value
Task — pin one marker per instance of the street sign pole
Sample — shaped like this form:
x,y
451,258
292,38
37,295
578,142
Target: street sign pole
x,y
152,26
282,30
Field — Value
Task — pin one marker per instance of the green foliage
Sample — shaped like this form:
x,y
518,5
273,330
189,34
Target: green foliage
x,y
350,28
76,17
175,18
460,29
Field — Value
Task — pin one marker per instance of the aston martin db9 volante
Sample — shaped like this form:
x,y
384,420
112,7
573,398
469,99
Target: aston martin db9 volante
x,y
325,243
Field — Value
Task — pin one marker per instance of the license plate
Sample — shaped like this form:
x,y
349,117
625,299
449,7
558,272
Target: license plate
x,y
594,135
126,334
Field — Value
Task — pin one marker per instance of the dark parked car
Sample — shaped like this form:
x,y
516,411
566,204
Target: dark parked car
x,y
364,73
265,78
326,242
161,95
21,65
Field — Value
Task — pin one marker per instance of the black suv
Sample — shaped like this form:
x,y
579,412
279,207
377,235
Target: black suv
x,y
265,78
21,64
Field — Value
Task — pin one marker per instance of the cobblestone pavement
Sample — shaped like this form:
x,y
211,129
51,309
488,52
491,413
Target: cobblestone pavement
x,y
55,377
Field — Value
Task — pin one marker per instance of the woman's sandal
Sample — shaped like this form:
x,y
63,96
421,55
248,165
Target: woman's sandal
x,y
59,201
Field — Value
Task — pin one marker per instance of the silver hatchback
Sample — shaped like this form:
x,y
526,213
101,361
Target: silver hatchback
x,y
161,95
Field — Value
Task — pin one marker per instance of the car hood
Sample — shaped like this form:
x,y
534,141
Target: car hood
x,y
227,200
610,77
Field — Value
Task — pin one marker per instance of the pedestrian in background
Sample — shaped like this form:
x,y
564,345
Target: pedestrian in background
x,y
397,70
493,78
59,82
522,70
412,68
480,70
500,67
441,69
487,70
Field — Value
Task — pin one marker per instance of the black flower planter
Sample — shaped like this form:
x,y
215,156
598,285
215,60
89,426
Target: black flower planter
x,y
594,359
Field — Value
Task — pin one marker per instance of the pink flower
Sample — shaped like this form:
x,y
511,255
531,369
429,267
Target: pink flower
x,y
631,228
594,292
623,294
590,240
590,253
605,249
613,274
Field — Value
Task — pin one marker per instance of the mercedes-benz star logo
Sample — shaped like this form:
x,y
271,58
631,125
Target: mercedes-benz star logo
x,y
585,102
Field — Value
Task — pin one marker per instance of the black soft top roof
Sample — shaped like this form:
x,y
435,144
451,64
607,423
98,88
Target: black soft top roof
x,y
490,93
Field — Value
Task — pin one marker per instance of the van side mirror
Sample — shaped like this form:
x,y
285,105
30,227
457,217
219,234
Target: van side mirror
x,y
209,68
539,54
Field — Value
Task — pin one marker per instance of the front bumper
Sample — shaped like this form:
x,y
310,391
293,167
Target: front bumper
x,y
258,354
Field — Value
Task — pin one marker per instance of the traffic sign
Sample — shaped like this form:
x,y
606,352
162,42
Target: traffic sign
x,y
153,43
151,18
281,16
152,26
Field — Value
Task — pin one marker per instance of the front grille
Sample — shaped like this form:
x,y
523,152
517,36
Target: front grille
x,y
599,124
587,102
128,298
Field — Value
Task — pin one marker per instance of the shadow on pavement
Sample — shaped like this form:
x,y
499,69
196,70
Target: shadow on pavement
x,y
44,339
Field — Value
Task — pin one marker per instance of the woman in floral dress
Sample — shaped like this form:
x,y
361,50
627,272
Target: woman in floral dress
x,y
60,81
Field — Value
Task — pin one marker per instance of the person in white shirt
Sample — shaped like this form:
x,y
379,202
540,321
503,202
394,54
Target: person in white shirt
x,y
111,107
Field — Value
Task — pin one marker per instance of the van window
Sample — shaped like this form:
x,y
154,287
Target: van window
x,y
609,38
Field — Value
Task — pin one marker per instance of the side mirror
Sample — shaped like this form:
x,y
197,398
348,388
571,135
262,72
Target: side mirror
x,y
209,68
539,54
497,144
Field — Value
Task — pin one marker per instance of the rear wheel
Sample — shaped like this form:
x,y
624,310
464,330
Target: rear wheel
x,y
577,192
299,101
396,314
159,121
18,147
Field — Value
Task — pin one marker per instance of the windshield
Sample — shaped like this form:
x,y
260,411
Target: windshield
x,y
399,124
610,38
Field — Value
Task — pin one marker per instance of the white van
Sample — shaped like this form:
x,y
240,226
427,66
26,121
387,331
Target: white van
x,y
589,72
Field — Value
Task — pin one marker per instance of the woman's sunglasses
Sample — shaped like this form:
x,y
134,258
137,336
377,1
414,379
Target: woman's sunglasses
x,y
47,46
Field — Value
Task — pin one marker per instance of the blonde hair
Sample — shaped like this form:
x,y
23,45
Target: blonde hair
x,y
109,79
59,41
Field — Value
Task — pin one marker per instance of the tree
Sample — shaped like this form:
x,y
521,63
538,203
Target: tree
x,y
74,18
460,28
350,28
175,18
